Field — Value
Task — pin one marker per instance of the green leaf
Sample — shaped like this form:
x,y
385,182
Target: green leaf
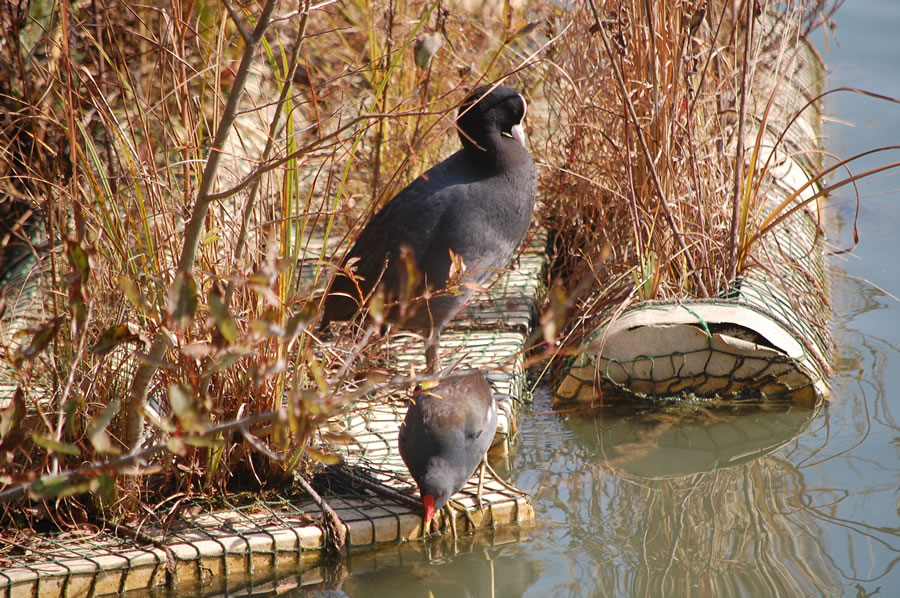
x,y
225,323
54,446
57,486
104,486
78,259
217,451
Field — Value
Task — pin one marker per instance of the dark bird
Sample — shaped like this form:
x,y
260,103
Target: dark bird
x,y
445,436
465,216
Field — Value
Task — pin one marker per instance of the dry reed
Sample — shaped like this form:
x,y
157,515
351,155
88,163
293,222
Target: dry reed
x,y
177,270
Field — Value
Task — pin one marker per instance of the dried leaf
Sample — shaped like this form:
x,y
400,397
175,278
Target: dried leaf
x,y
228,359
42,335
457,267
323,458
77,297
298,322
425,47
96,430
338,437
204,441
186,408
176,446
11,432
196,350
554,318
524,30
111,337
12,414
267,327
182,302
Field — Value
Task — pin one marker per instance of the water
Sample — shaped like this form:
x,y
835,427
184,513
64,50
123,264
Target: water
x,y
791,503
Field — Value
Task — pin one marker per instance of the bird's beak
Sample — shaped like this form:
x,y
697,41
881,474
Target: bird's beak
x,y
428,502
518,133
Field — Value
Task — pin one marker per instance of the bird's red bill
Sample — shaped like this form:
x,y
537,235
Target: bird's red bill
x,y
428,501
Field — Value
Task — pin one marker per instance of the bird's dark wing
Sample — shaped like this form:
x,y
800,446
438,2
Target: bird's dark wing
x,y
410,219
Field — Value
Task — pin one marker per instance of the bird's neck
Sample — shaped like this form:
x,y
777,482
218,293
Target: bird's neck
x,y
495,153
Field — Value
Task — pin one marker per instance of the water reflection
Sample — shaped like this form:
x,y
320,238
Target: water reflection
x,y
790,503
682,503
467,568
445,571
683,440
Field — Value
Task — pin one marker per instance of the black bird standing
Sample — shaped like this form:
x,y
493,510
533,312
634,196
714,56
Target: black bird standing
x,y
445,436
477,204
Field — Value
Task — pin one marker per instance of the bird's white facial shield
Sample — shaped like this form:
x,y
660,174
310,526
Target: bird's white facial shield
x,y
518,133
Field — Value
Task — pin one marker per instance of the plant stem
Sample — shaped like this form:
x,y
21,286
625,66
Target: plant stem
x,y
270,144
739,156
647,156
134,418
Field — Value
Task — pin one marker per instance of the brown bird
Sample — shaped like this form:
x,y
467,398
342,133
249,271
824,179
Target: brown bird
x,y
445,435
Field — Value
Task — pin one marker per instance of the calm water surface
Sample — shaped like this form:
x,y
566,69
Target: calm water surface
x,y
791,503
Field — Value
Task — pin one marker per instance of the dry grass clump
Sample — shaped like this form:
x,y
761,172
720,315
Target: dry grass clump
x,y
168,180
648,189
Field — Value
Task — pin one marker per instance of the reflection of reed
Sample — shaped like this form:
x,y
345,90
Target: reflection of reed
x,y
444,569
731,532
742,530
858,503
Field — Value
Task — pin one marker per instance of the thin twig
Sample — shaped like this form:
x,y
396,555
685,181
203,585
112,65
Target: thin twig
x,y
270,144
336,540
133,458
